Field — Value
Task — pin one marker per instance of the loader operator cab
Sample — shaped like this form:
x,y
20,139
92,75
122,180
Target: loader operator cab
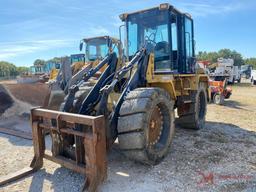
x,y
97,48
164,32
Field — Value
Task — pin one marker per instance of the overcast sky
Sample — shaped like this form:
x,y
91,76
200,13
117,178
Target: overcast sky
x,y
31,29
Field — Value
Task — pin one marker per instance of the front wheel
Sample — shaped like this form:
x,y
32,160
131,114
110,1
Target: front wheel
x,y
146,125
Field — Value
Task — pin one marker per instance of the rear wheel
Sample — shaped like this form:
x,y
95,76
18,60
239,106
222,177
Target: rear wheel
x,y
194,116
218,99
146,125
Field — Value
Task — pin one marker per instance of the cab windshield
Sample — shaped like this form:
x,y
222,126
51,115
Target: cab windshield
x,y
77,58
96,49
150,29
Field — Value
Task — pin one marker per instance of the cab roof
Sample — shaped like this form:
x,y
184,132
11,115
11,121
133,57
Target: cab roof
x,y
115,40
164,6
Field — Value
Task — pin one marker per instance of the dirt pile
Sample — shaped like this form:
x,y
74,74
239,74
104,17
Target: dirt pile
x,y
33,94
5,100
18,99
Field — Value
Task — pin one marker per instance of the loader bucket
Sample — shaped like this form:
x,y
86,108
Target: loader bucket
x,y
93,140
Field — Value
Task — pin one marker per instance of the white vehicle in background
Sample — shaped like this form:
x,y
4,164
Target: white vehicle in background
x,y
237,74
246,71
226,68
253,77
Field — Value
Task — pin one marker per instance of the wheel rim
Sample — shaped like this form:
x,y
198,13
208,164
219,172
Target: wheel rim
x,y
155,126
159,137
217,99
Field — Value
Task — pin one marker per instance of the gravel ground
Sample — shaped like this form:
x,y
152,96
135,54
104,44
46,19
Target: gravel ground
x,y
222,157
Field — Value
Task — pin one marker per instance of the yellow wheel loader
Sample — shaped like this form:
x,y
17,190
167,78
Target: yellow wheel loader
x,y
72,71
134,103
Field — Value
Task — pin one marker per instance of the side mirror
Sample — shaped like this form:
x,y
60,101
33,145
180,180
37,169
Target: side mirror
x,y
81,46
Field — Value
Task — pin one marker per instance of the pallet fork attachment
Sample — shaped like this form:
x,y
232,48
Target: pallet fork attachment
x,y
94,166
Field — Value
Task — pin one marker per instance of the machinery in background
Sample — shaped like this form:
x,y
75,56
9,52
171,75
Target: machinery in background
x,y
219,91
77,62
226,68
253,77
80,66
246,71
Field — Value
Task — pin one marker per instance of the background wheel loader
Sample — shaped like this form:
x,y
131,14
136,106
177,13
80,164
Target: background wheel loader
x,y
73,71
135,103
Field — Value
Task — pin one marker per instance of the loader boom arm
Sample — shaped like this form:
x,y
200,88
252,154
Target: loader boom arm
x,y
133,82
111,60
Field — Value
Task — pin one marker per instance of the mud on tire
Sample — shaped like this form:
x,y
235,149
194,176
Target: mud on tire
x,y
146,125
195,116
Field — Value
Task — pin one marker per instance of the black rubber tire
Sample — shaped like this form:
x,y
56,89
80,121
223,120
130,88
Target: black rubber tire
x,y
80,95
228,95
195,118
218,99
133,125
58,143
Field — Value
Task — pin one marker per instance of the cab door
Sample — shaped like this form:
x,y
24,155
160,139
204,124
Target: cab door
x,y
189,45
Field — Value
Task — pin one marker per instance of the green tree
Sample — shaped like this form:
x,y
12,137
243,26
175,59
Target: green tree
x,y
58,59
39,62
55,60
22,70
224,53
227,53
251,61
211,56
7,69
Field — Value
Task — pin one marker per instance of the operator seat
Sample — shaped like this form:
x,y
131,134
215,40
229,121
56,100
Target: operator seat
x,y
162,47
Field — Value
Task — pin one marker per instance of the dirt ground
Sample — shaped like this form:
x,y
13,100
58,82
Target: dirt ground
x,y
221,157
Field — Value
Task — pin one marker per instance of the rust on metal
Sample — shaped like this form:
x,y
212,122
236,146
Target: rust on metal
x,y
89,143
68,117
155,126
66,163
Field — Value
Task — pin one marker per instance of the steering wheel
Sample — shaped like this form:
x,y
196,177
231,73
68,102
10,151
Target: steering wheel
x,y
149,40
